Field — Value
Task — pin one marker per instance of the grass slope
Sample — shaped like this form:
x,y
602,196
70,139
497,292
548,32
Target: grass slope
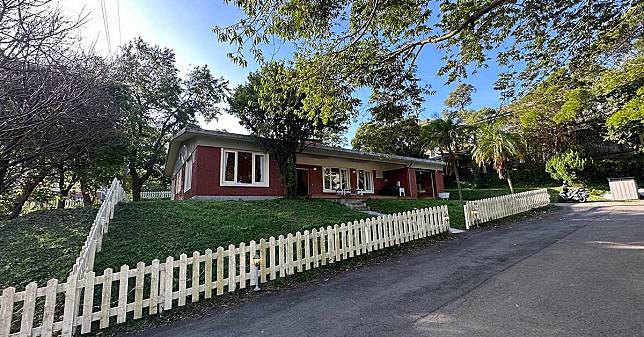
x,y
144,231
42,245
455,208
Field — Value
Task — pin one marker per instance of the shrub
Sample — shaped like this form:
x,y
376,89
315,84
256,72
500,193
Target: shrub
x,y
567,166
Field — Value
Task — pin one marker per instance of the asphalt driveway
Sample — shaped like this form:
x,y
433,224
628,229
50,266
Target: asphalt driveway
x,y
574,272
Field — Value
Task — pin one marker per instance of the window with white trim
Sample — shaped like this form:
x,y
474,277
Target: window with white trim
x,y
187,177
336,179
177,185
244,168
365,180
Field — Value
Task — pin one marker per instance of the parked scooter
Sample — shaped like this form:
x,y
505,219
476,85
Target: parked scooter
x,y
578,194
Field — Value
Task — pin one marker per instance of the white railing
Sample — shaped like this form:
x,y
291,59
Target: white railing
x,y
484,210
94,240
156,195
158,287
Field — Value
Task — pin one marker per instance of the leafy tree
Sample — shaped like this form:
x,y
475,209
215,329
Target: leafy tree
x,y
377,43
446,135
394,126
567,110
272,105
626,126
402,137
567,166
158,103
558,115
621,92
457,103
496,146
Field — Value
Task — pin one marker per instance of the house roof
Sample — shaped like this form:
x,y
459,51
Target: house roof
x,y
313,148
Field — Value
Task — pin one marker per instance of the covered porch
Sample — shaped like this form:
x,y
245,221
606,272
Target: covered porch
x,y
336,177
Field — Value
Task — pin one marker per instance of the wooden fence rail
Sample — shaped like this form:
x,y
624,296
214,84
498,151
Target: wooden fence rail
x,y
98,301
85,261
156,195
484,210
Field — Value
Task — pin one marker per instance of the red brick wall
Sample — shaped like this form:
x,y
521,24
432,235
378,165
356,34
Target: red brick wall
x,y
206,179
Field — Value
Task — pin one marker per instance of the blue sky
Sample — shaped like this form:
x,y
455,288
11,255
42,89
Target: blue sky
x,y
186,27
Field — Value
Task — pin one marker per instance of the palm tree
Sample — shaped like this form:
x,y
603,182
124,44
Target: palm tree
x,y
497,146
444,134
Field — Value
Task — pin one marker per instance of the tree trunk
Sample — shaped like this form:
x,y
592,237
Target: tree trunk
x,y
20,200
452,157
286,163
291,182
137,185
509,179
61,187
137,182
88,198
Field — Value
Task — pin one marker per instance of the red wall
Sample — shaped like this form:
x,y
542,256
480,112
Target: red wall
x,y
440,187
206,179
315,178
407,178
316,183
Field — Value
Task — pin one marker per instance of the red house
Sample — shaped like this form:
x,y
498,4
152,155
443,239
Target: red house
x,y
207,164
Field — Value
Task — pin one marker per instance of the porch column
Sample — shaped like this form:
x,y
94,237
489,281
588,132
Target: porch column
x,y
412,190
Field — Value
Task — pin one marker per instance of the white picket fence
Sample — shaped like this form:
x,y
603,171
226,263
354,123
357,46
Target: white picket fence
x,y
159,287
94,240
156,195
484,210
32,206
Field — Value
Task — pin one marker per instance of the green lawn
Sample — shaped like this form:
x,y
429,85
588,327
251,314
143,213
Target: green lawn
x,y
455,208
42,245
143,231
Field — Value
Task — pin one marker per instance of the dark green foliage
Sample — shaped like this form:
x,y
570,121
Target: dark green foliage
x,y
278,109
158,103
523,174
42,245
390,206
150,230
447,136
401,137
567,166
597,171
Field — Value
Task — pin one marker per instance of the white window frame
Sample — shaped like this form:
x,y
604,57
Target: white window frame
x,y
370,174
179,181
222,169
187,175
340,169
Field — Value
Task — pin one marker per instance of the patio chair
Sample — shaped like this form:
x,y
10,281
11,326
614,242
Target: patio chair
x,y
342,192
